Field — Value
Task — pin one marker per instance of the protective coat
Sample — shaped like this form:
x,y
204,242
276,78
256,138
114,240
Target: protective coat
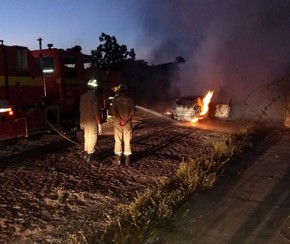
x,y
123,108
89,110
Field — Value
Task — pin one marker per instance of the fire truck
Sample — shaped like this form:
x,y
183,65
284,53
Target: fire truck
x,y
40,86
21,93
65,76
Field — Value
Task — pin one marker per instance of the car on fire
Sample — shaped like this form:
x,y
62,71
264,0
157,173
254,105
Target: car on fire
x,y
186,108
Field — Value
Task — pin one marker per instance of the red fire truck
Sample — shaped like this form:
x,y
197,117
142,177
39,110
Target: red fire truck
x,y
21,93
65,76
39,86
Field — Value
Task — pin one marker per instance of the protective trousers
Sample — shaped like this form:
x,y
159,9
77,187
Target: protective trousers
x,y
123,135
90,136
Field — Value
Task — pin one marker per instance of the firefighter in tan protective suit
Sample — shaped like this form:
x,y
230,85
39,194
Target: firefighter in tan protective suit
x,y
123,109
90,119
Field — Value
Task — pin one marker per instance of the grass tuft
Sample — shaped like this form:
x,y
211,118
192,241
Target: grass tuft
x,y
151,210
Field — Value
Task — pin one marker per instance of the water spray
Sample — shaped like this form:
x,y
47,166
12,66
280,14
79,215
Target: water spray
x,y
159,115
153,112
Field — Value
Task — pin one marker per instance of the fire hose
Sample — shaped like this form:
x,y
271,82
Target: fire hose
x,y
77,143
61,134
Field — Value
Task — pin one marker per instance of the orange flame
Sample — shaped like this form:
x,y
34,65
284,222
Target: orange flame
x,y
204,104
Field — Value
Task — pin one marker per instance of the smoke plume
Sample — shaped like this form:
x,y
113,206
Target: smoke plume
x,y
231,47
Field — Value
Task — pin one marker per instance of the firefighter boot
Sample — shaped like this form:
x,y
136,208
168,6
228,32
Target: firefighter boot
x,y
117,160
88,158
85,156
127,160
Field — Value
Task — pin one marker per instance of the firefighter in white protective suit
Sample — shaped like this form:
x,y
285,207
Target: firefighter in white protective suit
x,y
90,119
123,109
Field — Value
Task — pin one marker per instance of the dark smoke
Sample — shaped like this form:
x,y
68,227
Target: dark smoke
x,y
233,47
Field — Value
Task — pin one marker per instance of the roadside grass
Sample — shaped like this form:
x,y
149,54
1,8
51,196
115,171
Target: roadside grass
x,y
139,220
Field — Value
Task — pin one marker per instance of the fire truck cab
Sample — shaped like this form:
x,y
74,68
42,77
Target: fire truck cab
x,y
21,93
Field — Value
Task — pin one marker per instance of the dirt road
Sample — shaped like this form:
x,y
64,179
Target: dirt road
x,y
249,204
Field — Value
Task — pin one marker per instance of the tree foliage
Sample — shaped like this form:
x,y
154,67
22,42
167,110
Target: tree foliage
x,y
110,54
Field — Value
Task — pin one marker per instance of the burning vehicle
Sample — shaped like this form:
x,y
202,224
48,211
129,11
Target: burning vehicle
x,y
191,108
186,108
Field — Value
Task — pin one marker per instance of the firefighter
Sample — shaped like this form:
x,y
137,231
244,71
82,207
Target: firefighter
x,y
123,109
90,119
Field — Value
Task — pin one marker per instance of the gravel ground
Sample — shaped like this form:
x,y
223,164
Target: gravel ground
x,y
47,189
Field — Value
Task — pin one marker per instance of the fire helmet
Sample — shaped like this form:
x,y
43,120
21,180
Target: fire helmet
x,y
93,83
122,88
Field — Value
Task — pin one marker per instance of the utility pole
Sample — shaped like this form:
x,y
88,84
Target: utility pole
x,y
41,65
6,75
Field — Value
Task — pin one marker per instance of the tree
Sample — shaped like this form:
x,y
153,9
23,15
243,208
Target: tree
x,y
110,54
179,60
76,49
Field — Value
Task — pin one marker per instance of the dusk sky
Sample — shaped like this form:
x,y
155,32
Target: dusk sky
x,y
67,23
236,44
158,30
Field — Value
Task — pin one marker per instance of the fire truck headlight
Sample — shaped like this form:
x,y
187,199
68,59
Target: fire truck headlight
x,y
7,110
